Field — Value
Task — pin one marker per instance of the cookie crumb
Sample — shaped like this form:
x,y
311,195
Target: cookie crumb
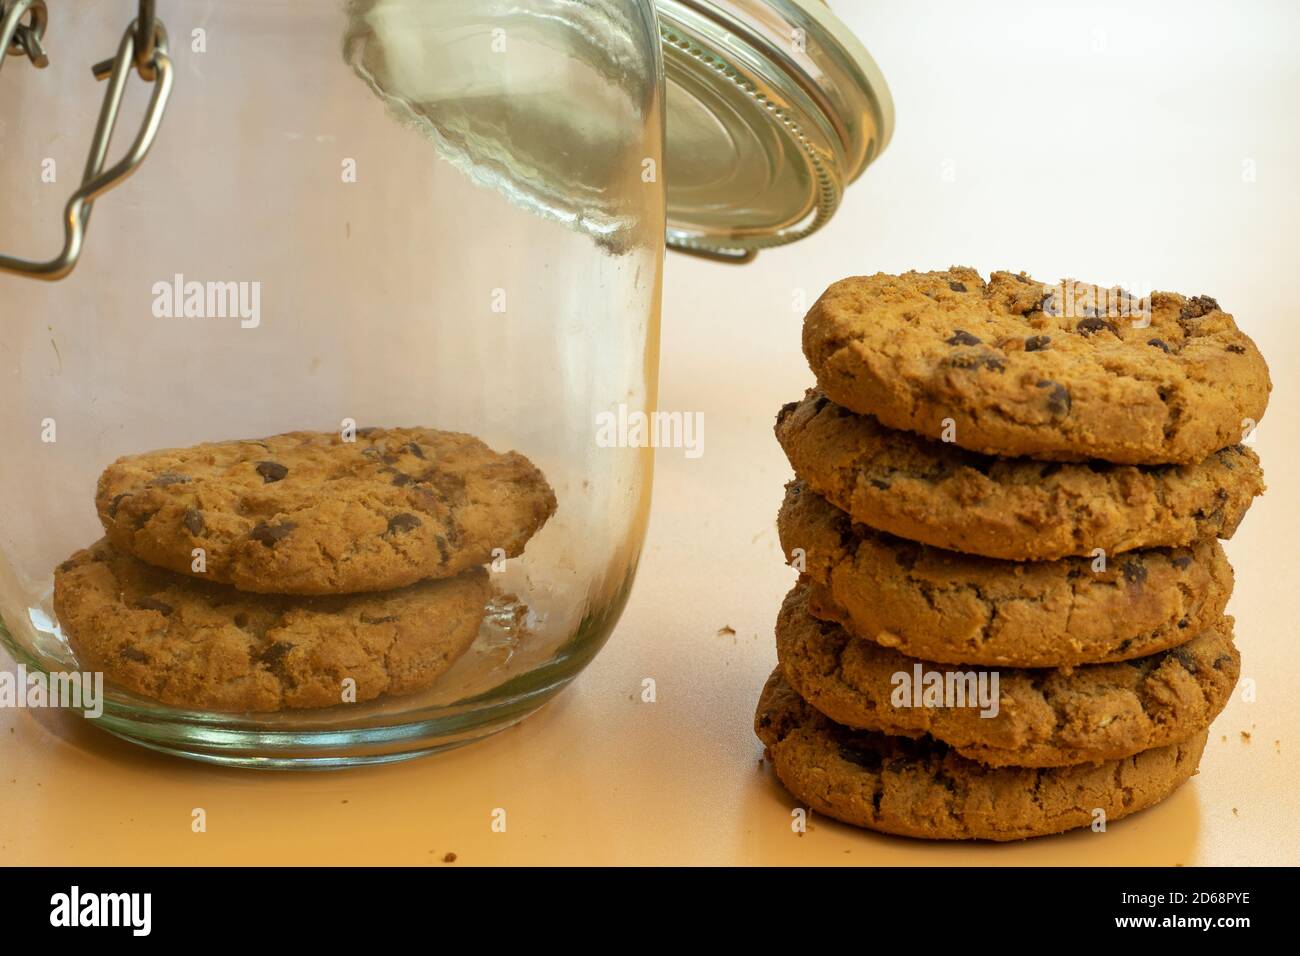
x,y
725,630
1245,736
449,858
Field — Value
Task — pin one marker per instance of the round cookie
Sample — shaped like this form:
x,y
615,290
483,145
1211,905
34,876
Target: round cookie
x,y
921,788
309,513
956,609
1043,718
205,646
1012,508
1064,372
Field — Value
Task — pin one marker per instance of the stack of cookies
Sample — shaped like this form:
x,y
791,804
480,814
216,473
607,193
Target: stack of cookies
x,y
1009,620
304,570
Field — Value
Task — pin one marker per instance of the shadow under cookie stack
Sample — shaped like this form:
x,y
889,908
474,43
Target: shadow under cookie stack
x,y
1009,620
304,570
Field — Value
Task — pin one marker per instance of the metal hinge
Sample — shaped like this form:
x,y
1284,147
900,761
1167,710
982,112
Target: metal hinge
x,y
144,47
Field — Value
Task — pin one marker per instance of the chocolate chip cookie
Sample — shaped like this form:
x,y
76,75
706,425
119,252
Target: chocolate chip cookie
x,y
311,513
206,646
1012,508
957,609
922,788
1043,718
1014,367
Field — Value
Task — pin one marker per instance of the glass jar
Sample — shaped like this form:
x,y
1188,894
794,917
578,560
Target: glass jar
x,y
351,218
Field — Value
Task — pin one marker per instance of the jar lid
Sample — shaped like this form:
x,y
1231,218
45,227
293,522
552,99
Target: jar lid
x,y
773,108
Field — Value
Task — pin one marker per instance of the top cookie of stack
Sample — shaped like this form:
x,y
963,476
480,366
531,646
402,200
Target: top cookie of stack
x,y
1013,367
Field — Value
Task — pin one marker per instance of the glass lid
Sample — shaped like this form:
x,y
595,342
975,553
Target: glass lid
x,y
774,107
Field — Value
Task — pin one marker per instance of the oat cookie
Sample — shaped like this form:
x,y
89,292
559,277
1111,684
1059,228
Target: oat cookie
x,y
1012,508
957,609
922,788
309,513
1046,718
206,646
1021,370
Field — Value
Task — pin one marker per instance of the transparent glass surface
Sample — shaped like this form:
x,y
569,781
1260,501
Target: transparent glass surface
x,y
452,215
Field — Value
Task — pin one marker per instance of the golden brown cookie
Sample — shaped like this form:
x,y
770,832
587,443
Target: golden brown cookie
x,y
206,646
1015,367
1012,508
309,513
959,609
922,788
1039,718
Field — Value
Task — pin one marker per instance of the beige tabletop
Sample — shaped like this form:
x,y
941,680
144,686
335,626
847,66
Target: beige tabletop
x,y
1150,148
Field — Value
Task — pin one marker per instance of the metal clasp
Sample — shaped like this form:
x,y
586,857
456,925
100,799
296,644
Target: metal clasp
x,y
144,48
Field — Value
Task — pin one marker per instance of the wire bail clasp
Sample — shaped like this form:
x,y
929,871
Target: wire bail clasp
x,y
144,49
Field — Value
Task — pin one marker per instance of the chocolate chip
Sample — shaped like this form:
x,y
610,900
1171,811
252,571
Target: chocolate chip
x,y
402,523
401,479
1161,344
271,471
1183,656
977,360
1183,624
1197,307
444,554
1181,561
868,758
1237,349
270,535
820,402
153,604
366,619
879,483
957,286
962,337
169,478
1221,660
786,411
388,459
1048,470
414,449
275,653
1036,343
1135,572
143,519
1058,399
134,654
193,521
117,500
1022,279
67,565
1094,324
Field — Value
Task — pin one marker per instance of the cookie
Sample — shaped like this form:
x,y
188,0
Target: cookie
x,y
309,513
1012,508
205,646
1013,367
922,788
1040,718
957,609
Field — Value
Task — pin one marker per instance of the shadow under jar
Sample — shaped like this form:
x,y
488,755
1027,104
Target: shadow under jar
x,y
386,268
